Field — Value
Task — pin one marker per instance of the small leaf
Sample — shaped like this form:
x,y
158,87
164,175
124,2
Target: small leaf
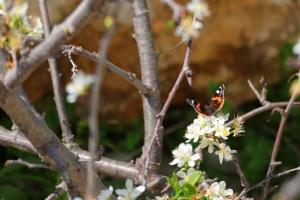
x,y
175,182
188,189
170,24
195,177
108,21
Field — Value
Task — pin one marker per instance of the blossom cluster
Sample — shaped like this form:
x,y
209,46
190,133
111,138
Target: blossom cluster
x,y
192,22
211,133
17,23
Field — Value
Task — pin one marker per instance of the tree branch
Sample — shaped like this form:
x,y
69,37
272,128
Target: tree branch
x,y
61,110
60,34
148,61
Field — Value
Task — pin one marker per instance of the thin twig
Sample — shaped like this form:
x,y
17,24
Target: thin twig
x,y
171,95
94,106
58,191
59,102
265,180
278,138
29,165
128,76
262,109
62,114
176,8
261,98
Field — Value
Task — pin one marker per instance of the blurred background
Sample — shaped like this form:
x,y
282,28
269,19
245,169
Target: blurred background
x,y
240,40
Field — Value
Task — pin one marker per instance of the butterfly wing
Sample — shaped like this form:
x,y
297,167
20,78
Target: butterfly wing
x,y
200,107
217,100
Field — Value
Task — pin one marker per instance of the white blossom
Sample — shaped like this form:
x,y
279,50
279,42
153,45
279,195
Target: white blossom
x,y
225,152
296,49
222,192
210,142
184,154
79,86
199,8
211,190
188,29
198,129
105,194
165,197
19,10
130,193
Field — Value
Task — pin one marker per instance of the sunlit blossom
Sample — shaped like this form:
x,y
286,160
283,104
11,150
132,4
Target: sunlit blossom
x,y
199,8
188,29
80,85
237,126
184,154
198,129
223,193
225,153
296,49
211,190
130,193
217,191
19,10
223,132
164,197
105,194
210,142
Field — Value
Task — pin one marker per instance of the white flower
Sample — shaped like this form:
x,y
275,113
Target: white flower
x,y
221,130
183,155
188,29
199,8
105,194
216,191
2,12
130,193
19,10
36,26
185,176
193,132
296,49
225,152
211,190
210,142
79,86
222,192
165,197
77,198
220,120
200,126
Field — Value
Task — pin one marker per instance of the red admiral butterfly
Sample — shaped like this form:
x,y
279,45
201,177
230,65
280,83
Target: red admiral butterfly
x,y
215,104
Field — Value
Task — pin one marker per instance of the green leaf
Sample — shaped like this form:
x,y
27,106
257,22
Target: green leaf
x,y
188,189
175,185
175,182
195,177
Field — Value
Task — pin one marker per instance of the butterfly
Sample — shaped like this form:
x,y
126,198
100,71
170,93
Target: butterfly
x,y
215,104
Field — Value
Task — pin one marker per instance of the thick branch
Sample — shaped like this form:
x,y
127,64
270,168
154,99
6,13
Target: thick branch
x,y
148,58
45,141
106,166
